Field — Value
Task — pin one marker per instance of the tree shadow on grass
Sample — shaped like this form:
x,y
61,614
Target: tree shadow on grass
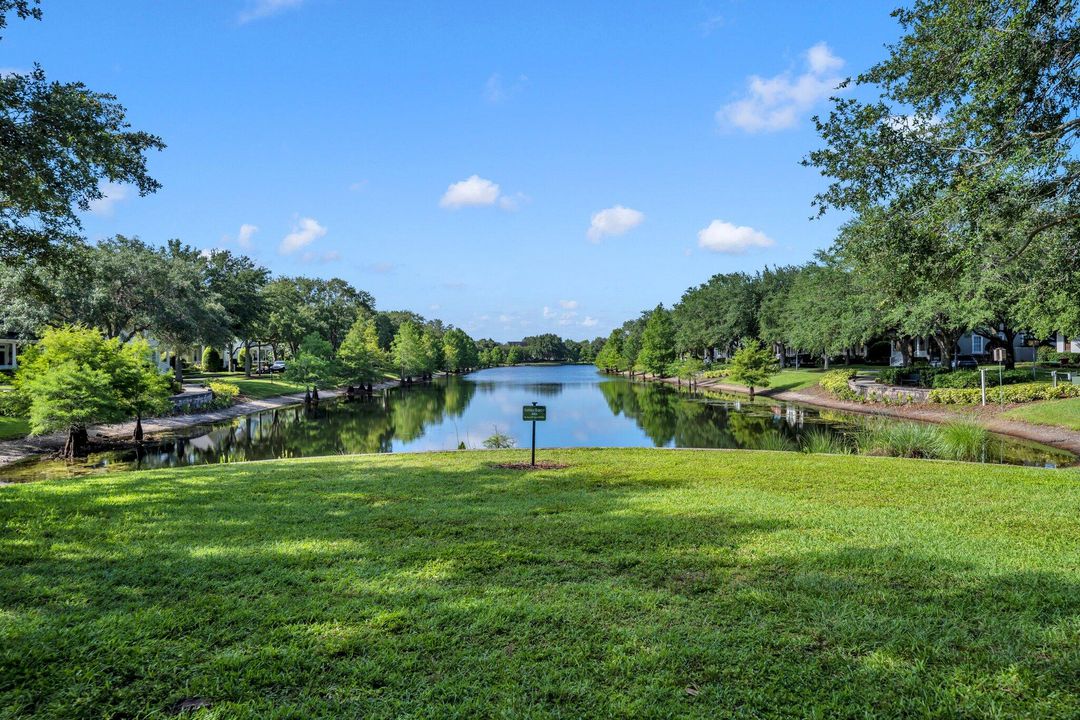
x,y
324,589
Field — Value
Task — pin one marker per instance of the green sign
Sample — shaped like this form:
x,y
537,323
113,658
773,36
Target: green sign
x,y
534,412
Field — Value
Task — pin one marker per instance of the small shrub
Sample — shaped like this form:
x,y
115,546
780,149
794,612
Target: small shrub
x,y
715,373
499,441
212,360
225,394
836,382
14,404
891,375
1047,354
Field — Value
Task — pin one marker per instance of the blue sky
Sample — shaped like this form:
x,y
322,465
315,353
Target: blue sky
x,y
511,169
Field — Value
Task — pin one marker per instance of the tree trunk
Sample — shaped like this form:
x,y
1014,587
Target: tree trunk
x,y
947,344
247,359
825,358
178,368
315,394
77,440
751,392
137,436
782,354
907,351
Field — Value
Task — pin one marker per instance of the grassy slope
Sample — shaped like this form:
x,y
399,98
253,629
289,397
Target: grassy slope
x,y
13,427
1061,413
803,378
256,388
769,584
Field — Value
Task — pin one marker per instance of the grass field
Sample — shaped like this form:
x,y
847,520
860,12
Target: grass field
x,y
11,428
633,583
1060,413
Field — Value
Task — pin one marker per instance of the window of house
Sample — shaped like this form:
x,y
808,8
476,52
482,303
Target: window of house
x,y
5,353
978,344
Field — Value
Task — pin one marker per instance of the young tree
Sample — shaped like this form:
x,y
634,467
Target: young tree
x,y
752,365
657,342
362,360
513,355
313,365
74,377
610,356
459,350
408,350
144,390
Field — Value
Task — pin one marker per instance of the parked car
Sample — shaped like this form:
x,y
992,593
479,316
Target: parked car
x,y
965,362
277,366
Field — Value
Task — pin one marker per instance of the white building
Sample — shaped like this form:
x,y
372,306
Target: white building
x,y
1064,344
8,352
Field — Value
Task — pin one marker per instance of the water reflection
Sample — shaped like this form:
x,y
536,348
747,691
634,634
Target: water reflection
x,y
584,409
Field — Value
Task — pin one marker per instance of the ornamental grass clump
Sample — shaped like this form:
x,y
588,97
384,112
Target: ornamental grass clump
x,y
964,440
775,441
901,439
823,442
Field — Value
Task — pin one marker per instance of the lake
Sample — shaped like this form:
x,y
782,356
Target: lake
x,y
584,409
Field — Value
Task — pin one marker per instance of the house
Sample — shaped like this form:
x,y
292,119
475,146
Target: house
x,y
9,355
969,344
1064,344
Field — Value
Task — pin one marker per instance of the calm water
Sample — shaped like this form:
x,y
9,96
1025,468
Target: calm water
x,y
585,409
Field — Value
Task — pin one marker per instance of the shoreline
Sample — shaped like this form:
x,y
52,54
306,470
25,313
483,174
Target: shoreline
x,y
19,449
1055,437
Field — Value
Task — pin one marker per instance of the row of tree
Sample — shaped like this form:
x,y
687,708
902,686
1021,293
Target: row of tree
x,y
961,177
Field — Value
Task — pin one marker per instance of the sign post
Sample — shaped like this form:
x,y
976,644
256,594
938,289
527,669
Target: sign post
x,y
534,413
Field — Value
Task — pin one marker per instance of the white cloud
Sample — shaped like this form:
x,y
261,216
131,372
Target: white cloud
x,y
777,103
549,313
723,237
568,304
111,193
359,186
614,221
243,237
305,231
589,321
511,203
497,91
474,191
259,9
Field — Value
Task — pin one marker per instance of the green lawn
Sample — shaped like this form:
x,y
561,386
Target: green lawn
x,y
256,388
11,428
803,378
634,583
1061,413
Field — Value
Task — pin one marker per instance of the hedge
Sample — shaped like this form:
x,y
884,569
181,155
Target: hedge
x,y
225,394
836,382
1019,393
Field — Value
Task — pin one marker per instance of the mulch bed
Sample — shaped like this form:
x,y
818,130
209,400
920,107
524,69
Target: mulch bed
x,y
526,466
